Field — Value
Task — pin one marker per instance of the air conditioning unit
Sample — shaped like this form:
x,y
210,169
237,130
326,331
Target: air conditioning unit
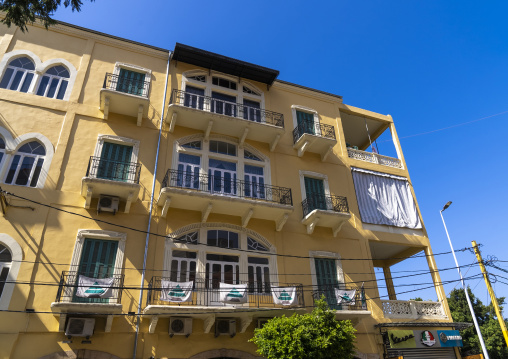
x,y
180,326
80,327
225,327
262,321
107,204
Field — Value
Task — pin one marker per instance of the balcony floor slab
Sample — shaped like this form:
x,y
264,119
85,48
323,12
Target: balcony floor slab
x,y
325,218
93,187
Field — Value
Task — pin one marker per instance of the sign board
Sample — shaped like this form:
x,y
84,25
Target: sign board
x,y
477,356
424,339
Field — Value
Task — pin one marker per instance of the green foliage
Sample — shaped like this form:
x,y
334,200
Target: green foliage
x,y
307,336
487,320
24,12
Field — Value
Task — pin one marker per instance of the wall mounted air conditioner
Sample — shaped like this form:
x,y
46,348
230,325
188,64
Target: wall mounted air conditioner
x,y
180,326
80,327
225,327
262,321
107,204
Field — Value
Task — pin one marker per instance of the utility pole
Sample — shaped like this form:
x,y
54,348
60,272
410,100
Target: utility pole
x,y
491,292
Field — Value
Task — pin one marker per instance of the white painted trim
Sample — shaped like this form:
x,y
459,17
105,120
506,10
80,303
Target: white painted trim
x,y
9,147
17,257
313,175
295,108
325,255
45,66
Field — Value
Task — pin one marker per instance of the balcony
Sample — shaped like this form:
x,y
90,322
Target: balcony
x,y
209,114
325,211
373,158
354,310
411,309
124,96
112,178
206,305
214,194
67,302
314,137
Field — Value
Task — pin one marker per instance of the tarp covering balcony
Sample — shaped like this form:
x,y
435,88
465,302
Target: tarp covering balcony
x,y
385,199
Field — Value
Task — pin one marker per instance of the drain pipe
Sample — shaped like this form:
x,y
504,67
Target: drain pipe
x,y
138,319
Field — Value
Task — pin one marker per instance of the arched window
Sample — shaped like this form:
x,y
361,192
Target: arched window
x,y
2,151
5,265
26,165
54,82
18,75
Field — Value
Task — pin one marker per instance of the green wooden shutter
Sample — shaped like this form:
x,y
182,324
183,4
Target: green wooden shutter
x,y
131,82
97,261
326,276
305,122
315,193
115,162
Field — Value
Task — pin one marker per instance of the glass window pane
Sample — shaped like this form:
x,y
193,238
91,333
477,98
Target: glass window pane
x,y
7,77
17,79
174,271
5,254
61,91
42,86
192,271
12,170
233,240
26,83
184,158
3,278
228,274
254,170
184,254
52,87
256,260
183,271
37,172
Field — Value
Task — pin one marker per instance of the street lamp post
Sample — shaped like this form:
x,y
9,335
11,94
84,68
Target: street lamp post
x,y
485,353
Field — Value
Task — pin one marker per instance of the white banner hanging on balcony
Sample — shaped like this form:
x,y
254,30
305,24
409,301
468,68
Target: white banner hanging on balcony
x,y
345,297
233,293
385,199
284,295
176,291
94,288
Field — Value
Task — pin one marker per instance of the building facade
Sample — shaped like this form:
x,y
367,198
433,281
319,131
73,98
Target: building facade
x,y
248,185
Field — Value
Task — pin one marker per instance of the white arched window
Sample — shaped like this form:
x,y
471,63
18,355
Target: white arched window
x,y
11,256
26,165
53,83
220,166
5,265
18,75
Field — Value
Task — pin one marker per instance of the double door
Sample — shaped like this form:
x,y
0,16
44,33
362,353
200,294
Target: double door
x,y
115,163
315,194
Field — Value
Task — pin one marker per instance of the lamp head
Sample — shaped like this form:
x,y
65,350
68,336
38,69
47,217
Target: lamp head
x,y
446,205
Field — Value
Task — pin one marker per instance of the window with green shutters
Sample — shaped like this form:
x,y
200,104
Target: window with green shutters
x,y
315,193
305,122
327,281
115,162
97,261
131,82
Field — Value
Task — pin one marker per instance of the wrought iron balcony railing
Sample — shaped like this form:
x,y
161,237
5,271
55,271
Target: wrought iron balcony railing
x,y
220,185
126,85
313,128
113,170
326,203
374,158
357,301
206,293
69,284
210,104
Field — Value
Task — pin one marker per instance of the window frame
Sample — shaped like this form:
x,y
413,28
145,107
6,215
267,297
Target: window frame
x,y
309,110
25,72
315,175
51,77
134,68
325,255
22,156
16,256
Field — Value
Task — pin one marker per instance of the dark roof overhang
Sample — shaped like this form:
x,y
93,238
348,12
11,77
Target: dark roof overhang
x,y
224,64
456,325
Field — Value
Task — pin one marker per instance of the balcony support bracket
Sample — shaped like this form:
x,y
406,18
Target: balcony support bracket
x,y
325,155
206,212
302,149
337,228
274,143
173,122
61,322
106,108
281,222
208,323
140,115
88,199
165,208
312,225
129,202
153,324
244,323
208,130
244,136
246,217
109,323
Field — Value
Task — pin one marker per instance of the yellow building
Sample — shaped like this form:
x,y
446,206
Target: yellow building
x,y
261,192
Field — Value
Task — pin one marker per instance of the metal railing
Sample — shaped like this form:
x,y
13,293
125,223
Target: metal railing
x,y
207,293
126,85
220,185
113,170
358,302
313,128
374,158
69,284
210,104
327,203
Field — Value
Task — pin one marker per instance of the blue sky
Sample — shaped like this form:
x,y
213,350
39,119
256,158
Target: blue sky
x,y
430,64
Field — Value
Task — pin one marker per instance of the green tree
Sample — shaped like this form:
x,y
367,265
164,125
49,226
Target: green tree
x,y
487,320
307,336
24,12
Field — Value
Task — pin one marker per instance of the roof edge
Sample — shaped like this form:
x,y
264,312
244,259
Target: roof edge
x,y
308,88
